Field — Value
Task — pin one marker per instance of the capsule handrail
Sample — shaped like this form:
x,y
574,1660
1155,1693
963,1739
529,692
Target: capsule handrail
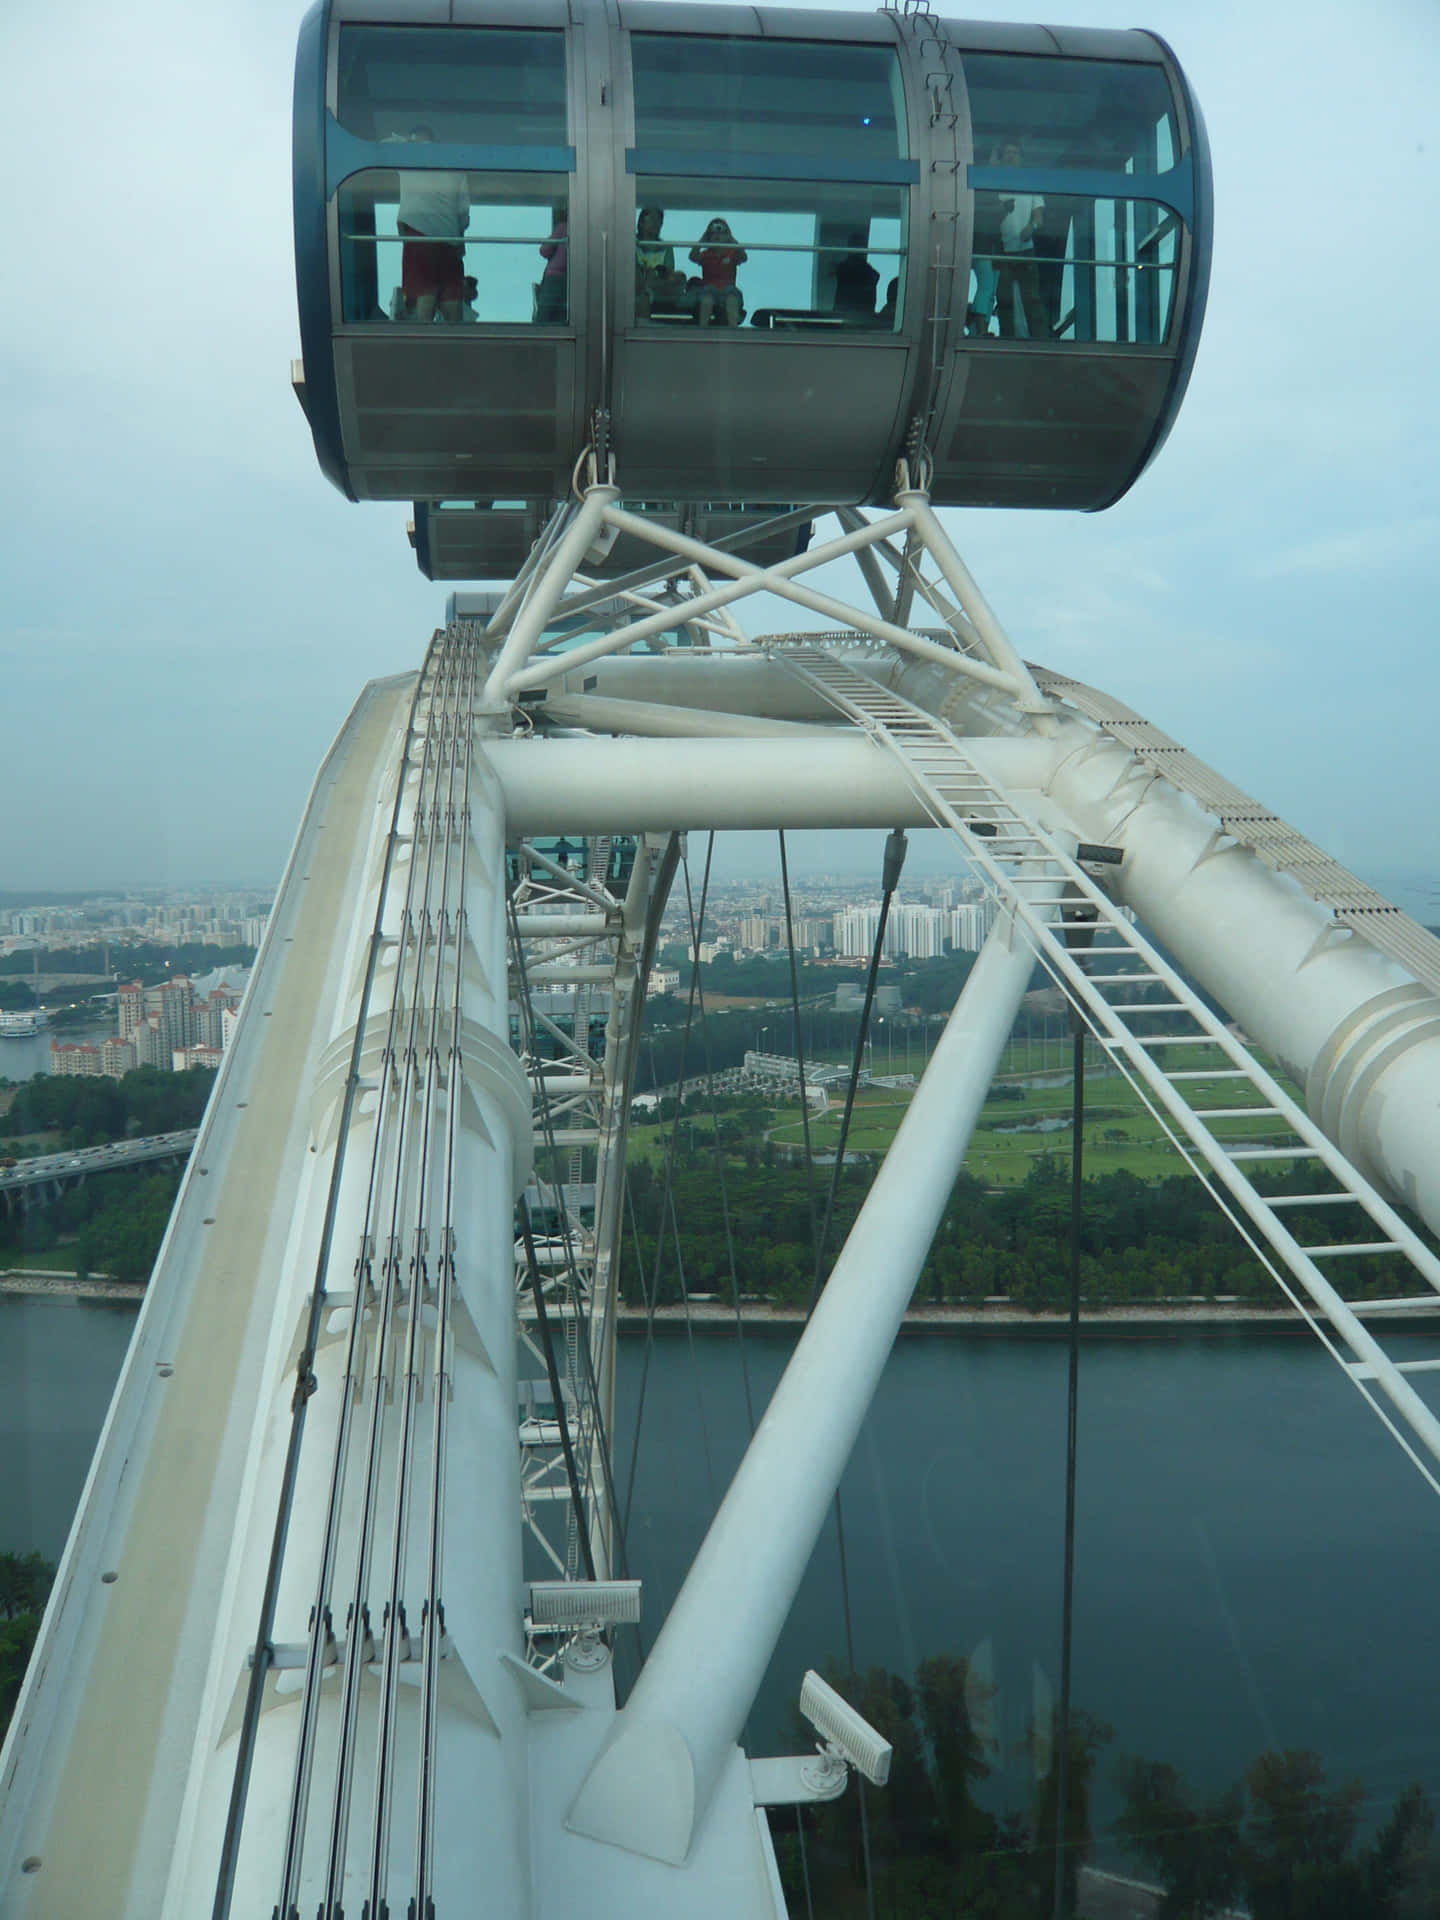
x,y
468,239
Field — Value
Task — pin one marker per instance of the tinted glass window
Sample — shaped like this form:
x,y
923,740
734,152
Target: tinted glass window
x,y
790,253
1101,114
471,86
1069,267
707,94
426,248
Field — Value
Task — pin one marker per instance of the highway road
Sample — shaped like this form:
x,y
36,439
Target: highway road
x,y
119,1153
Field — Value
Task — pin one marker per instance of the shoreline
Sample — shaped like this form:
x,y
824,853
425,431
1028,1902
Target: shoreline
x,y
711,1317
50,1285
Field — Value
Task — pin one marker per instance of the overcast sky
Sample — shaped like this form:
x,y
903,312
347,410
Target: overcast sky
x,y
190,609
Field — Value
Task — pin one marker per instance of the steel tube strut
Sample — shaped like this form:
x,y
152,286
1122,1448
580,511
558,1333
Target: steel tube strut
x,y
570,550
650,1786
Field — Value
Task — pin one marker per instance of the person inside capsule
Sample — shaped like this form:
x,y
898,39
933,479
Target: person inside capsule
x,y
856,282
657,283
433,214
718,257
552,300
1017,275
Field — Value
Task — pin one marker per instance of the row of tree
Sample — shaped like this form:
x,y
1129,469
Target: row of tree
x,y
90,1112
115,1221
1281,1844
145,960
24,1588
1140,1240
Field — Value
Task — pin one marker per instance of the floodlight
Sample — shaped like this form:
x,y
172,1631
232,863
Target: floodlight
x,y
848,1736
586,1608
584,1603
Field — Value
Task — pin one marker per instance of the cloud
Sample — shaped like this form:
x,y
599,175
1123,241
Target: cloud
x,y
1371,549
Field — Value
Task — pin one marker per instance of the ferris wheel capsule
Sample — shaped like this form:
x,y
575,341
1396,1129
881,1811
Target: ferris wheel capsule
x,y
775,251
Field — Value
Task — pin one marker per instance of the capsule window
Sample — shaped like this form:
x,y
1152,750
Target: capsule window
x,y
1071,267
777,255
704,94
1064,267
456,86
425,248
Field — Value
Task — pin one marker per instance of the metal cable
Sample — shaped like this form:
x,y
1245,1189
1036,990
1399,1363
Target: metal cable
x,y
799,1046
667,1213
394,1611
695,933
895,849
804,1861
1067,1617
305,1378
432,1613
358,1649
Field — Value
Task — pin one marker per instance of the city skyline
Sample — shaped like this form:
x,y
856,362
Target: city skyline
x,y
1264,593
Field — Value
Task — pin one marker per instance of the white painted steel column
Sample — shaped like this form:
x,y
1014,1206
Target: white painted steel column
x,y
963,585
747,580
578,537
653,786
649,1788
1347,1022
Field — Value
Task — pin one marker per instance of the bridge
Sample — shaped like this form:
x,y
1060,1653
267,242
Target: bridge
x,y
55,1170
47,1174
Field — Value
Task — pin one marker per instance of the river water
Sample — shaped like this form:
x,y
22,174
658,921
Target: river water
x,y
1256,1563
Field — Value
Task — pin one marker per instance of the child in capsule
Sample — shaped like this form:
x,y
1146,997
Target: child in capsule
x,y
717,257
657,284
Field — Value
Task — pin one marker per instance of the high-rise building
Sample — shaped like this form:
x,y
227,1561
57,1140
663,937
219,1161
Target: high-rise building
x,y
130,1008
79,1059
918,933
117,1056
172,1003
969,925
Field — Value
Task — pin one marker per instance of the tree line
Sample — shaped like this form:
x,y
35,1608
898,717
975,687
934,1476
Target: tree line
x,y
1282,1843
143,960
1140,1240
91,1112
114,1221
24,1588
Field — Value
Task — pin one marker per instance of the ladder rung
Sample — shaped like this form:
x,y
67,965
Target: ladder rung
x,y
1306,1199
1113,979
1274,1153
1362,1369
1355,1246
1169,1040
1146,1006
1209,1073
1231,1113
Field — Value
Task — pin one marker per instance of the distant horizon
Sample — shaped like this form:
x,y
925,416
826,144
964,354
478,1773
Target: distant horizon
x,y
740,859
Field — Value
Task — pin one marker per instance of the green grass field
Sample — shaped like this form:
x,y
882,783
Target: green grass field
x,y
1119,1132
54,1260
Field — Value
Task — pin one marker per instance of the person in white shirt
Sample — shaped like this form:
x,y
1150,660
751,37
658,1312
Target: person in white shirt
x,y
1021,218
433,214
